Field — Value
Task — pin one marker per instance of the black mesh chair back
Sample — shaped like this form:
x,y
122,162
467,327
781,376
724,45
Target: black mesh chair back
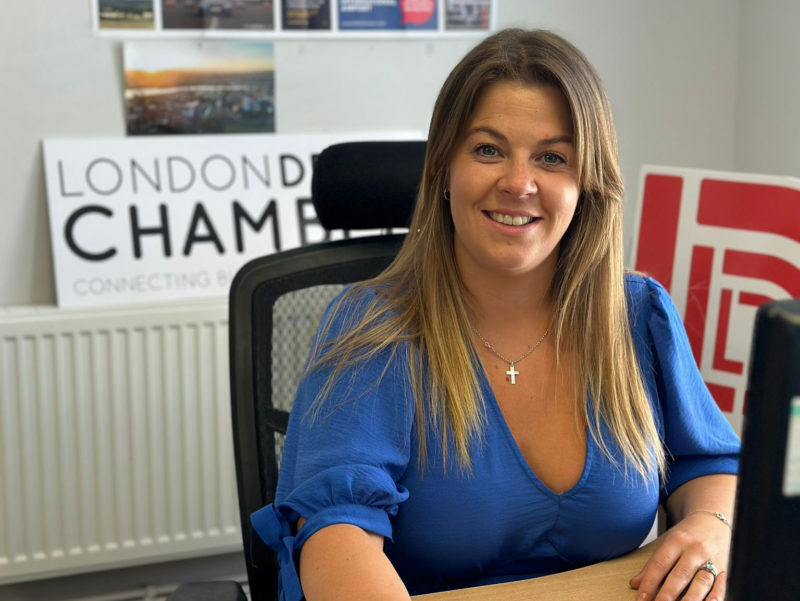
x,y
276,303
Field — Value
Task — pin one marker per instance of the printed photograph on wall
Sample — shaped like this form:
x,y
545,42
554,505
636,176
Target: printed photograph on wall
x,y
217,14
191,87
125,14
388,15
467,14
306,14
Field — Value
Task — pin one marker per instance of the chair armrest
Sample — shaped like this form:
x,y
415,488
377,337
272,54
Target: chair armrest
x,y
208,591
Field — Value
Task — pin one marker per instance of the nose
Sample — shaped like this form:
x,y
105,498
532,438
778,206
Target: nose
x,y
518,179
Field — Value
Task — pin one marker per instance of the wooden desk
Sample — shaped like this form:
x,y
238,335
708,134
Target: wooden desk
x,y
607,581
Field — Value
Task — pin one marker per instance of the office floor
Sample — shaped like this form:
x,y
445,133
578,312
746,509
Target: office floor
x,y
140,583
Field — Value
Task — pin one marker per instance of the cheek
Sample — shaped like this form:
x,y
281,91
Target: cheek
x,y
456,183
573,206
457,211
562,209
467,179
569,201
460,188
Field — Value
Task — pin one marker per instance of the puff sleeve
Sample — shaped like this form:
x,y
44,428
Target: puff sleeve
x,y
341,465
698,439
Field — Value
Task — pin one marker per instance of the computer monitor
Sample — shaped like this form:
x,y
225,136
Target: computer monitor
x,y
765,562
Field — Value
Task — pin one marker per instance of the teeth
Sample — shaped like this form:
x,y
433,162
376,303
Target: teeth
x,y
509,220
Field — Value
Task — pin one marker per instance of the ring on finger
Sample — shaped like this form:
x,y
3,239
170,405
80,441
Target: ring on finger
x,y
710,568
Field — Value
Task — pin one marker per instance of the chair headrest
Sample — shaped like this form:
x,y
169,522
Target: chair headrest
x,y
367,185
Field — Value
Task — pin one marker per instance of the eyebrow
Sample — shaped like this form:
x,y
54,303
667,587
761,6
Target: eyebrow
x,y
563,139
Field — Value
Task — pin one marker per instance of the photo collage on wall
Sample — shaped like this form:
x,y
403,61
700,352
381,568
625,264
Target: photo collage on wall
x,y
290,18
199,87
207,67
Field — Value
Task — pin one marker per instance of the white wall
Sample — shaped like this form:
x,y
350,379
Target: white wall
x,y
670,69
768,89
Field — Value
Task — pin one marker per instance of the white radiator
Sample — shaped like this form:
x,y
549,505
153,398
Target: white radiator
x,y
115,438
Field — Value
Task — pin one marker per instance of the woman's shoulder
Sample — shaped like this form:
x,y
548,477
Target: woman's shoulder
x,y
648,302
641,283
356,311
354,301
641,289
360,293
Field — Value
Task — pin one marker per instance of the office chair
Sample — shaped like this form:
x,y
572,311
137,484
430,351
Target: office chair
x,y
276,303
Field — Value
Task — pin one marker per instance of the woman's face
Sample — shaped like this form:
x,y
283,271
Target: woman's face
x,y
513,182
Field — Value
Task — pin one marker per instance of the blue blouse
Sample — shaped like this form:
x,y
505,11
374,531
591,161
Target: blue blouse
x,y
357,463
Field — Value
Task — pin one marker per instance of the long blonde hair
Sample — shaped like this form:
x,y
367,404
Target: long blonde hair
x,y
421,298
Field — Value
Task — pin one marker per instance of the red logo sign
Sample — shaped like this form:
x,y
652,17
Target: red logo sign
x,y
722,244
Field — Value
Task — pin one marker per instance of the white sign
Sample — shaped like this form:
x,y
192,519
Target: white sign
x,y
161,218
722,244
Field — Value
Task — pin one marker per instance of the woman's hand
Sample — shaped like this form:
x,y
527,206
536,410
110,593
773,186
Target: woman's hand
x,y
679,562
699,536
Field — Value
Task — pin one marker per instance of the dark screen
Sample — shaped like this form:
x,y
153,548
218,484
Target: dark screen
x,y
766,543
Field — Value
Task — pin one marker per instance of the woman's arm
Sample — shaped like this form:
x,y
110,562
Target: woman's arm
x,y
714,492
697,537
342,562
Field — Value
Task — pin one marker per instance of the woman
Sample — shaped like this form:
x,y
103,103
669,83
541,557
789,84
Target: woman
x,y
503,402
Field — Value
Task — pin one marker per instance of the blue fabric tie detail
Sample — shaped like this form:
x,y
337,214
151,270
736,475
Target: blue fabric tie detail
x,y
273,528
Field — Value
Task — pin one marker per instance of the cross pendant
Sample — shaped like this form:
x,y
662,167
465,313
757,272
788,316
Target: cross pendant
x,y
513,373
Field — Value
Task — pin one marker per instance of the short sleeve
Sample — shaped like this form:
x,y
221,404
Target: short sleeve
x,y
698,439
342,464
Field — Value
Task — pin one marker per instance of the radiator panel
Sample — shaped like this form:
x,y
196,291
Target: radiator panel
x,y
115,434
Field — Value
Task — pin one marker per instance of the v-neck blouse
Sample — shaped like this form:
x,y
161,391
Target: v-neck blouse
x,y
357,463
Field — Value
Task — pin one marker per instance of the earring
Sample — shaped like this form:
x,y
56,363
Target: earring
x,y
447,194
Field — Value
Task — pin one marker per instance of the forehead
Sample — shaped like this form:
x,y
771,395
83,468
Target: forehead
x,y
522,105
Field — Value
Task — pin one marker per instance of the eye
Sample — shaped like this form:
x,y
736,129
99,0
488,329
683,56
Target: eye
x,y
486,151
552,158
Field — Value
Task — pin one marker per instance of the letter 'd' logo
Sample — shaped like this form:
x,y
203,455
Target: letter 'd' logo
x,y
722,244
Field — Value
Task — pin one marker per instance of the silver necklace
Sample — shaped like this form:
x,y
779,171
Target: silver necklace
x,y
513,373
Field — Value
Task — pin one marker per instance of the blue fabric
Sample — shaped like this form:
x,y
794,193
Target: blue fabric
x,y
357,463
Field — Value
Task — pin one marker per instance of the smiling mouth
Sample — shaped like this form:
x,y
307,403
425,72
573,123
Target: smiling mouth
x,y
509,219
